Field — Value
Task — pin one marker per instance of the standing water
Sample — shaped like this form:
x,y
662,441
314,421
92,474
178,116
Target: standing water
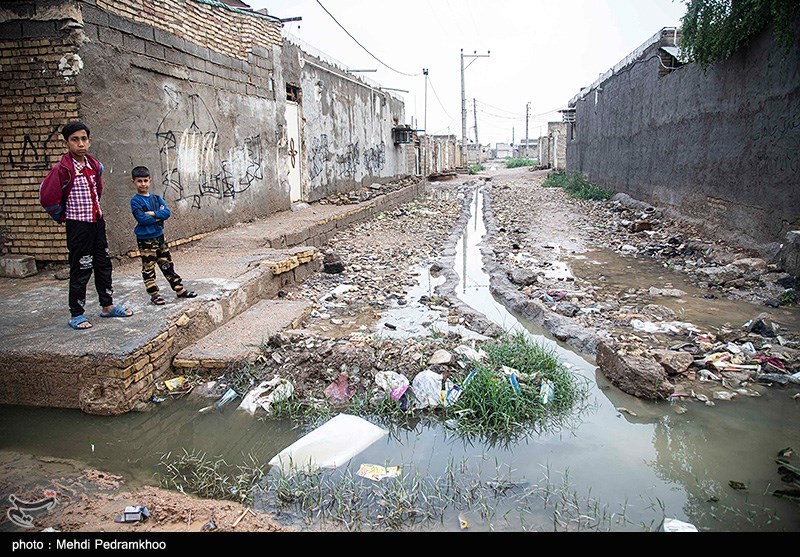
x,y
623,464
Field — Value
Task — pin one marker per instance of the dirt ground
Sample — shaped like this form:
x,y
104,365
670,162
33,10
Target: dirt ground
x,y
535,231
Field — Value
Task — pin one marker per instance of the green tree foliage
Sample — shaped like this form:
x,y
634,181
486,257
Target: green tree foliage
x,y
713,30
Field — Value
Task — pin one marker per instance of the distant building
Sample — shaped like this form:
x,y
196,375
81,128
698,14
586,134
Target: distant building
x,y
503,151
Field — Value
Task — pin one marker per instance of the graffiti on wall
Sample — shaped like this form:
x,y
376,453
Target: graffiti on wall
x,y
318,156
192,167
375,158
33,154
348,161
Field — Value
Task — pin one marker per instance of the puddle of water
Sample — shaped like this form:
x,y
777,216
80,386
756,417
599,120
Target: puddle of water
x,y
609,462
622,274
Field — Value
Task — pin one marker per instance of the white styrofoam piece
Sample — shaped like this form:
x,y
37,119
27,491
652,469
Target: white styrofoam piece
x,y
332,444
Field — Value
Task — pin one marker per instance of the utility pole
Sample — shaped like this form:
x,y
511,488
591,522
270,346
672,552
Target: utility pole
x,y
475,114
464,103
425,113
527,115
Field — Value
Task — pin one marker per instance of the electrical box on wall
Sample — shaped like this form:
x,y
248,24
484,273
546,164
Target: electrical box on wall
x,y
402,134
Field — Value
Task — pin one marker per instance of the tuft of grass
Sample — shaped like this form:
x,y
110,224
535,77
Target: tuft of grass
x,y
518,162
474,168
577,185
490,407
212,478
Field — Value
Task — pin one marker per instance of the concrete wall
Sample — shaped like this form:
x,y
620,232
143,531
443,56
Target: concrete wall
x,y
347,126
721,147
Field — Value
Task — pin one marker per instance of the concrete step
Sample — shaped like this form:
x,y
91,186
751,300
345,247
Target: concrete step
x,y
239,340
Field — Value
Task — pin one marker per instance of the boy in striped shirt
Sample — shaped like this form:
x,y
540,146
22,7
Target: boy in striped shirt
x,y
80,177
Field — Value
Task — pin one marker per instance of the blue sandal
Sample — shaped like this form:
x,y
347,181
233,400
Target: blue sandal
x,y
117,311
77,321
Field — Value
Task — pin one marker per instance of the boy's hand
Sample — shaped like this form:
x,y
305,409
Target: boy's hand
x,y
150,213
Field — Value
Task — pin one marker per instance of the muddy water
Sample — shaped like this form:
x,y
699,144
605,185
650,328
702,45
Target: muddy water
x,y
620,469
632,277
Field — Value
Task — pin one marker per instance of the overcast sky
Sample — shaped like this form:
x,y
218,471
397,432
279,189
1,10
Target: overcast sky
x,y
541,52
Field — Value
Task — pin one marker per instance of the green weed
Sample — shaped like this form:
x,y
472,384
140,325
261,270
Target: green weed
x,y
518,162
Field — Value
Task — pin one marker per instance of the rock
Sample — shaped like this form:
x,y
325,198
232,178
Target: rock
x,y
750,264
440,357
521,277
17,266
640,376
719,275
566,309
62,273
332,264
673,362
667,292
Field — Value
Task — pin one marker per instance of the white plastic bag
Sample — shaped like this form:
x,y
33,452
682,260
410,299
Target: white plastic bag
x,y
427,387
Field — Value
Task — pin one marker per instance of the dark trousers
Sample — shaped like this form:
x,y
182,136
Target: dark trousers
x,y
155,251
88,252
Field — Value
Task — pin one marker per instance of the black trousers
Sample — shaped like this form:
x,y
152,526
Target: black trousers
x,y
88,252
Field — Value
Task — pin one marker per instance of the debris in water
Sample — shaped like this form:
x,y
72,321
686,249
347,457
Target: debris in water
x,y
626,411
675,525
376,473
737,485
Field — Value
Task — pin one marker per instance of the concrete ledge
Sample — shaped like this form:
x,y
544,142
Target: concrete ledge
x,y
240,339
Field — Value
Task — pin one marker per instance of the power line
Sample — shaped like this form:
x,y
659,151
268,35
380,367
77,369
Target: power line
x,y
435,94
362,46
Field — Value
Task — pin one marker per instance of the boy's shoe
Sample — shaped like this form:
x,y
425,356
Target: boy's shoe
x,y
187,294
157,300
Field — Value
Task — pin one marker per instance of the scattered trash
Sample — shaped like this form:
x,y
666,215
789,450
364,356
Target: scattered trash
x,y
266,394
209,526
229,395
398,392
626,411
546,391
462,522
680,409
157,399
451,423
737,485
136,513
724,395
675,525
50,529
333,443
470,353
340,391
376,473
427,386
390,326
390,380
512,378
176,383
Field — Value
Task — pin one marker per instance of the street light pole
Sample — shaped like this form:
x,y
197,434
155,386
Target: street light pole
x,y
464,103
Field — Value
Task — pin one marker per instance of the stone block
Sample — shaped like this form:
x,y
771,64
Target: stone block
x,y
17,266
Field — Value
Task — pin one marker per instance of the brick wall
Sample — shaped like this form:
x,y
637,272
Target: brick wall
x,y
194,41
216,27
36,99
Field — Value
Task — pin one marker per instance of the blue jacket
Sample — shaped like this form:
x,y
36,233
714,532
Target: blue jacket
x,y
149,227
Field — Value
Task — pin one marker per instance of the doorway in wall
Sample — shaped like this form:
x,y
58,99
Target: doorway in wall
x,y
294,151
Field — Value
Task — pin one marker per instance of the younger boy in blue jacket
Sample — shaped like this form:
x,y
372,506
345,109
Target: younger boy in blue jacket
x,y
150,212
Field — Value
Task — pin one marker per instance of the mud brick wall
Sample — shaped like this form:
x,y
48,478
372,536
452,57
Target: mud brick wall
x,y
37,95
160,83
719,147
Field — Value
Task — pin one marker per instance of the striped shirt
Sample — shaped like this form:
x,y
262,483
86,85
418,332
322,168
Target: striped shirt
x,y
82,203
